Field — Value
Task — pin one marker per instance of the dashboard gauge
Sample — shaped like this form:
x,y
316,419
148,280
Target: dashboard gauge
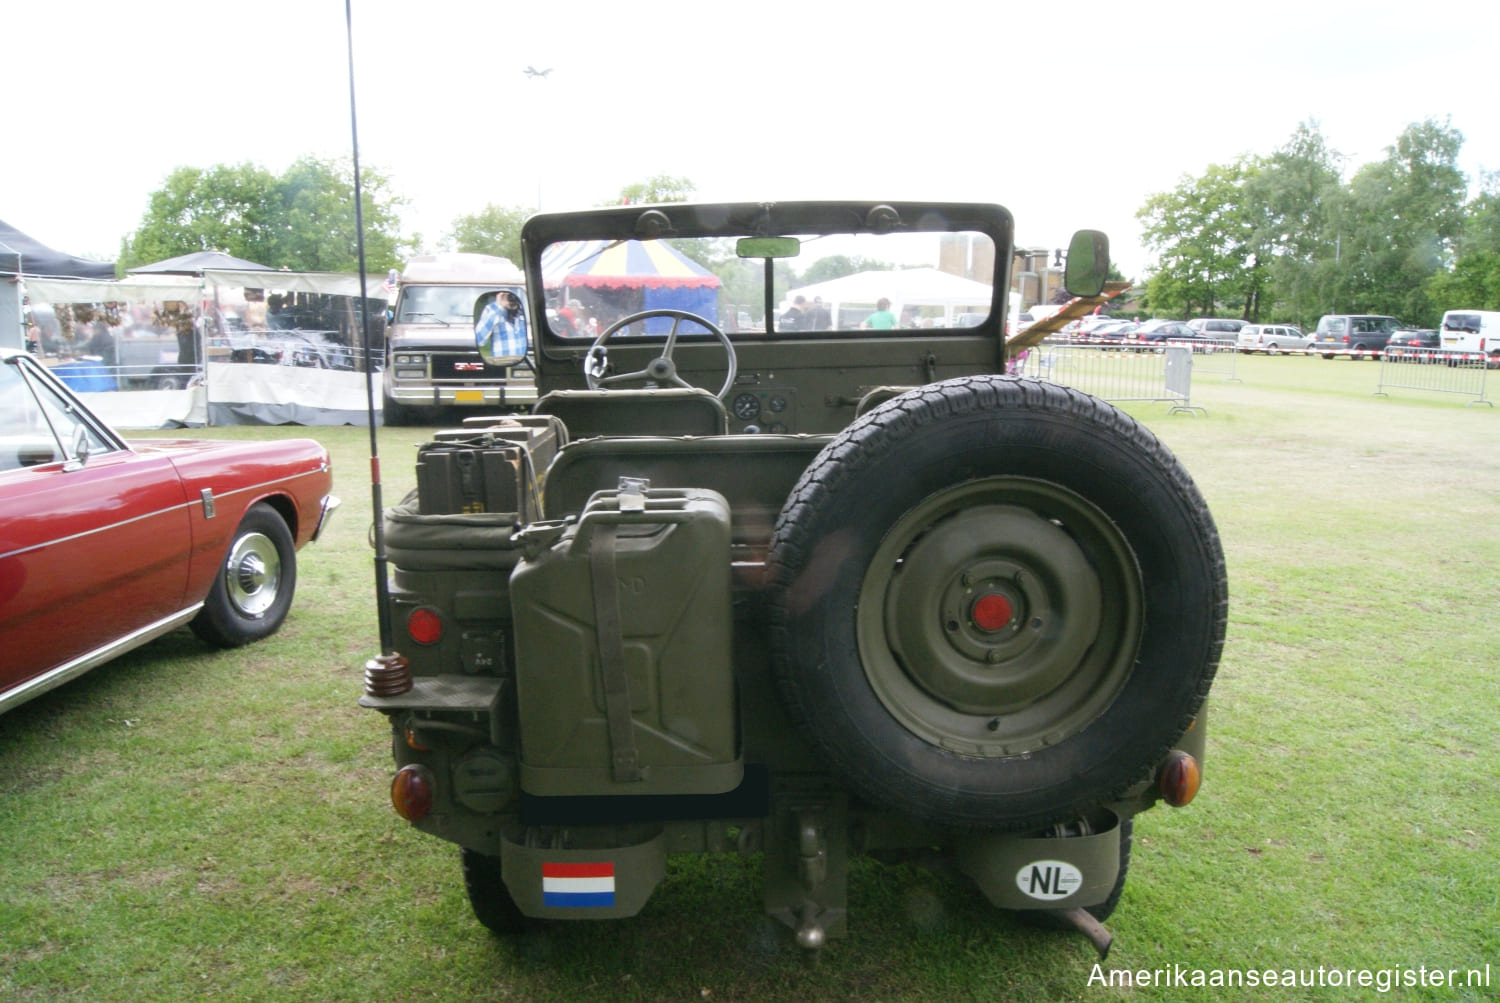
x,y
746,407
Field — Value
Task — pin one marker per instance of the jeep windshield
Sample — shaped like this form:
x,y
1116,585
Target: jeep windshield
x,y
760,280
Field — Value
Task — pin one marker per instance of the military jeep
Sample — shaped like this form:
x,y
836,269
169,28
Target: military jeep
x,y
826,583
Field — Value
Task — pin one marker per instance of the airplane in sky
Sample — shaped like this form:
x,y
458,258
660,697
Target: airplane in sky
x,y
532,71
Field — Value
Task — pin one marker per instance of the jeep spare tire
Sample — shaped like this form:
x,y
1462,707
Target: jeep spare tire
x,y
995,602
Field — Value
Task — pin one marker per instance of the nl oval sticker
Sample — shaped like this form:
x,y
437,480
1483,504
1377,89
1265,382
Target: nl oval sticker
x,y
1049,880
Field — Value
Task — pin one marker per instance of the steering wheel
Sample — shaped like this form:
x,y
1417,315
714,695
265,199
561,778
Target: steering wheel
x,y
661,370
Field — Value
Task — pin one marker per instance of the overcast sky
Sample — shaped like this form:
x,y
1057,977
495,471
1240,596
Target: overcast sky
x,y
1068,124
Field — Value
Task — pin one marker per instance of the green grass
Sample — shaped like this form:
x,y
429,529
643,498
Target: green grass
x,y
192,823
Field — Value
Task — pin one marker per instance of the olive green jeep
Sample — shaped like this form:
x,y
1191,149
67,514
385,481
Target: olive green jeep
x,y
784,563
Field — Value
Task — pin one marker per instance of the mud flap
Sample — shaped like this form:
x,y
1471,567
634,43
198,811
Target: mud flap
x,y
1042,872
609,882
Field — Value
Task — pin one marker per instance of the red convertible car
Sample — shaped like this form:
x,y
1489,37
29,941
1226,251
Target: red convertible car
x,y
107,544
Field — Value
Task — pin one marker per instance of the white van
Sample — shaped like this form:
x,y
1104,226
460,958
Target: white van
x,y
431,359
1476,331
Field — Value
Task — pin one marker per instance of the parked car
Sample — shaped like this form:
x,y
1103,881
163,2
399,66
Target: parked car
x,y
1356,335
1424,345
1272,338
307,349
1109,329
107,544
1218,328
1158,330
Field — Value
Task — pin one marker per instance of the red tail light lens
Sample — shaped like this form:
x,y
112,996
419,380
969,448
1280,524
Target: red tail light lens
x,y
425,625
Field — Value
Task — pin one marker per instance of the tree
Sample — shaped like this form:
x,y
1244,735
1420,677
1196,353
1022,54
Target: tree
x,y
1293,192
229,208
318,226
661,188
302,220
493,230
1205,235
1482,217
1400,224
836,266
1473,283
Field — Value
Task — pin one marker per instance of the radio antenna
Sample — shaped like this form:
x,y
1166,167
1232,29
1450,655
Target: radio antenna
x,y
382,585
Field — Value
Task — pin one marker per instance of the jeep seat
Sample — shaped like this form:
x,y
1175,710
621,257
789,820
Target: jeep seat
x,y
660,411
755,473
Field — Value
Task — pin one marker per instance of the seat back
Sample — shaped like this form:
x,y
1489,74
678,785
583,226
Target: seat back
x,y
664,411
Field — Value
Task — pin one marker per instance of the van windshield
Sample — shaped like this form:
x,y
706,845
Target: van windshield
x,y
438,304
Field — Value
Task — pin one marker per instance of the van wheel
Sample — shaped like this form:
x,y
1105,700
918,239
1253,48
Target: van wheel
x,y
394,415
995,602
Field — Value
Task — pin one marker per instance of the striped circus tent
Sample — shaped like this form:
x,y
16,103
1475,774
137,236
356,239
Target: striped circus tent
x,y
627,276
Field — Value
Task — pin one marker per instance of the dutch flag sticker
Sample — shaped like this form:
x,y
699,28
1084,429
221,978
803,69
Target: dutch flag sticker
x,y
579,885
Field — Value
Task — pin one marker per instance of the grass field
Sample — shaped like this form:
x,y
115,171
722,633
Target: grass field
x,y
189,823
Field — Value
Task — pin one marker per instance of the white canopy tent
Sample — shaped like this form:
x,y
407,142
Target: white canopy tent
x,y
228,393
852,298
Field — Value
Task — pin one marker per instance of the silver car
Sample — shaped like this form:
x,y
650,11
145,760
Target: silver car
x,y
1273,339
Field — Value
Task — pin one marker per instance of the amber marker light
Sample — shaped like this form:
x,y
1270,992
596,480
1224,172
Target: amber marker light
x,y
1179,778
411,792
425,625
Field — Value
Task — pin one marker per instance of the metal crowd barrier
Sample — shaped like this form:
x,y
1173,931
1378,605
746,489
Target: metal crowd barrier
x,y
1116,371
1434,370
1217,356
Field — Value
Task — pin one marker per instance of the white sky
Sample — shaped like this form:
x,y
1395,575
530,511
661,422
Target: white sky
x,y
1066,125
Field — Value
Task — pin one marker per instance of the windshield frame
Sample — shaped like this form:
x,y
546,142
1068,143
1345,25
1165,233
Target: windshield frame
x,y
731,221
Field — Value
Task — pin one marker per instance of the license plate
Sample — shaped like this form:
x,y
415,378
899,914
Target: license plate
x,y
468,396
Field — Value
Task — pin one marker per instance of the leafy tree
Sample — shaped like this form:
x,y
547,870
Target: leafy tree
x,y
661,188
1473,283
229,208
836,266
1205,235
302,220
318,226
1400,224
1292,194
1482,217
494,230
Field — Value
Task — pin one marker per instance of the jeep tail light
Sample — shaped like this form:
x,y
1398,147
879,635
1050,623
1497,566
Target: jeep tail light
x,y
425,625
1178,778
411,792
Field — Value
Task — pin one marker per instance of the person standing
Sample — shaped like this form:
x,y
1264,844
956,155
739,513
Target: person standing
x,y
882,319
792,319
816,318
501,331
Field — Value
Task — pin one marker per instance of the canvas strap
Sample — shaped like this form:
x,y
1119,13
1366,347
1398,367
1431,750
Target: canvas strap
x,y
610,632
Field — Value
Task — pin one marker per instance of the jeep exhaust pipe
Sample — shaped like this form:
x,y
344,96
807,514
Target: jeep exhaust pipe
x,y
1084,922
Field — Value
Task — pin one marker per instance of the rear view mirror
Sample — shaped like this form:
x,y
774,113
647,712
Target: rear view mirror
x,y
1088,263
500,331
768,247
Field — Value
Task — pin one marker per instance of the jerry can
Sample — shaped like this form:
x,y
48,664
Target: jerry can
x,y
624,668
